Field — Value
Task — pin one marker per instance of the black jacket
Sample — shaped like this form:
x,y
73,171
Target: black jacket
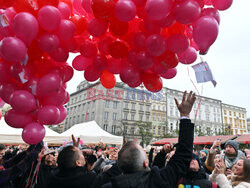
x,y
168,176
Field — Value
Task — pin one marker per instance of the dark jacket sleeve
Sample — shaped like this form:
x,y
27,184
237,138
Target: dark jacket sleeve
x,y
14,160
150,156
179,163
160,159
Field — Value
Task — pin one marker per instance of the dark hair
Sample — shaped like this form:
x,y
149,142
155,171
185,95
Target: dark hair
x,y
91,159
2,147
246,173
130,158
67,158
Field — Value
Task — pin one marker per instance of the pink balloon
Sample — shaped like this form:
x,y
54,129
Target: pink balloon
x,y
205,32
166,21
132,57
160,67
64,10
88,49
100,62
158,9
97,27
91,74
48,43
48,84
188,56
20,72
63,114
67,98
80,63
13,49
140,41
6,89
211,12
103,44
125,10
156,45
187,11
68,72
23,101
86,5
177,43
49,17
151,27
56,99
33,133
222,4
114,65
130,74
5,74
48,115
25,27
61,55
66,30
17,119
171,73
144,60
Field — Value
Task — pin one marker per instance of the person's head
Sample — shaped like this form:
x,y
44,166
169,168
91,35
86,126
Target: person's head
x,y
231,147
132,158
203,153
2,151
194,163
70,157
49,158
216,158
242,171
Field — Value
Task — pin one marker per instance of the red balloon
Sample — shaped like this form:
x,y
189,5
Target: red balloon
x,y
66,30
139,41
177,43
33,133
80,63
156,45
152,82
171,73
104,43
114,65
144,61
48,43
100,62
17,119
31,85
5,74
211,12
107,80
6,89
97,27
91,74
63,114
61,55
118,28
139,3
130,74
25,6
167,21
34,52
103,9
88,49
118,49
188,56
80,23
222,4
160,67
48,115
68,72
64,9
176,28
169,59
20,72
56,99
42,3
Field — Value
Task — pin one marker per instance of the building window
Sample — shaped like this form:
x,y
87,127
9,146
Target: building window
x,y
159,118
132,117
234,113
171,126
159,107
154,118
243,116
230,113
153,107
147,108
171,111
133,106
114,116
115,104
113,129
225,112
132,130
106,115
83,117
141,107
126,116
163,108
93,105
125,129
159,130
105,127
141,117
126,105
207,116
154,130
107,104
147,117
164,130
93,116
163,119
239,114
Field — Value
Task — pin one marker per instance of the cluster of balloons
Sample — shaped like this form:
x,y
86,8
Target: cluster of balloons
x,y
144,40
33,69
140,40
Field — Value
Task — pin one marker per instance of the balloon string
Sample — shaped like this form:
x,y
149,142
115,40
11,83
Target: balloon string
x,y
199,103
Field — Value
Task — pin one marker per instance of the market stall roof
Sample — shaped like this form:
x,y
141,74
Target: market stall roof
x,y
9,135
244,139
91,133
200,140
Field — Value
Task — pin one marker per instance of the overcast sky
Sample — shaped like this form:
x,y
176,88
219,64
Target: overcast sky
x,y
228,58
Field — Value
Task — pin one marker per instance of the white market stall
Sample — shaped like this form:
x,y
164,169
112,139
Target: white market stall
x,y
9,135
91,133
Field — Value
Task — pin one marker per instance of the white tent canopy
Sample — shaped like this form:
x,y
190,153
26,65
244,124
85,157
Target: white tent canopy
x,y
91,133
9,135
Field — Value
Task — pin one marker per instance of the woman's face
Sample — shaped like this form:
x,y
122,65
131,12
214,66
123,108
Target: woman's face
x,y
238,167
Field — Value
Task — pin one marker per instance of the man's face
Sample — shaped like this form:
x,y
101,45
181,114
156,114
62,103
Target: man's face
x,y
194,165
81,160
2,152
202,154
49,158
230,150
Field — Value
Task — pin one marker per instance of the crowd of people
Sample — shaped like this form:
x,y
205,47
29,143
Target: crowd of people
x,y
130,166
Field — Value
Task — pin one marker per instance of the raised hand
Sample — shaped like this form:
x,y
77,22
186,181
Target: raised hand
x,y
186,104
75,143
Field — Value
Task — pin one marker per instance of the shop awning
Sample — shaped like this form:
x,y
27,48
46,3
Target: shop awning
x,y
244,139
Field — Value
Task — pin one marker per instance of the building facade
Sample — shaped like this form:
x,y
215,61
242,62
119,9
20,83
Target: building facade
x,y
248,125
234,119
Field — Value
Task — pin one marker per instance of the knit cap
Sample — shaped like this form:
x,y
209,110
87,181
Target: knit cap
x,y
234,144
